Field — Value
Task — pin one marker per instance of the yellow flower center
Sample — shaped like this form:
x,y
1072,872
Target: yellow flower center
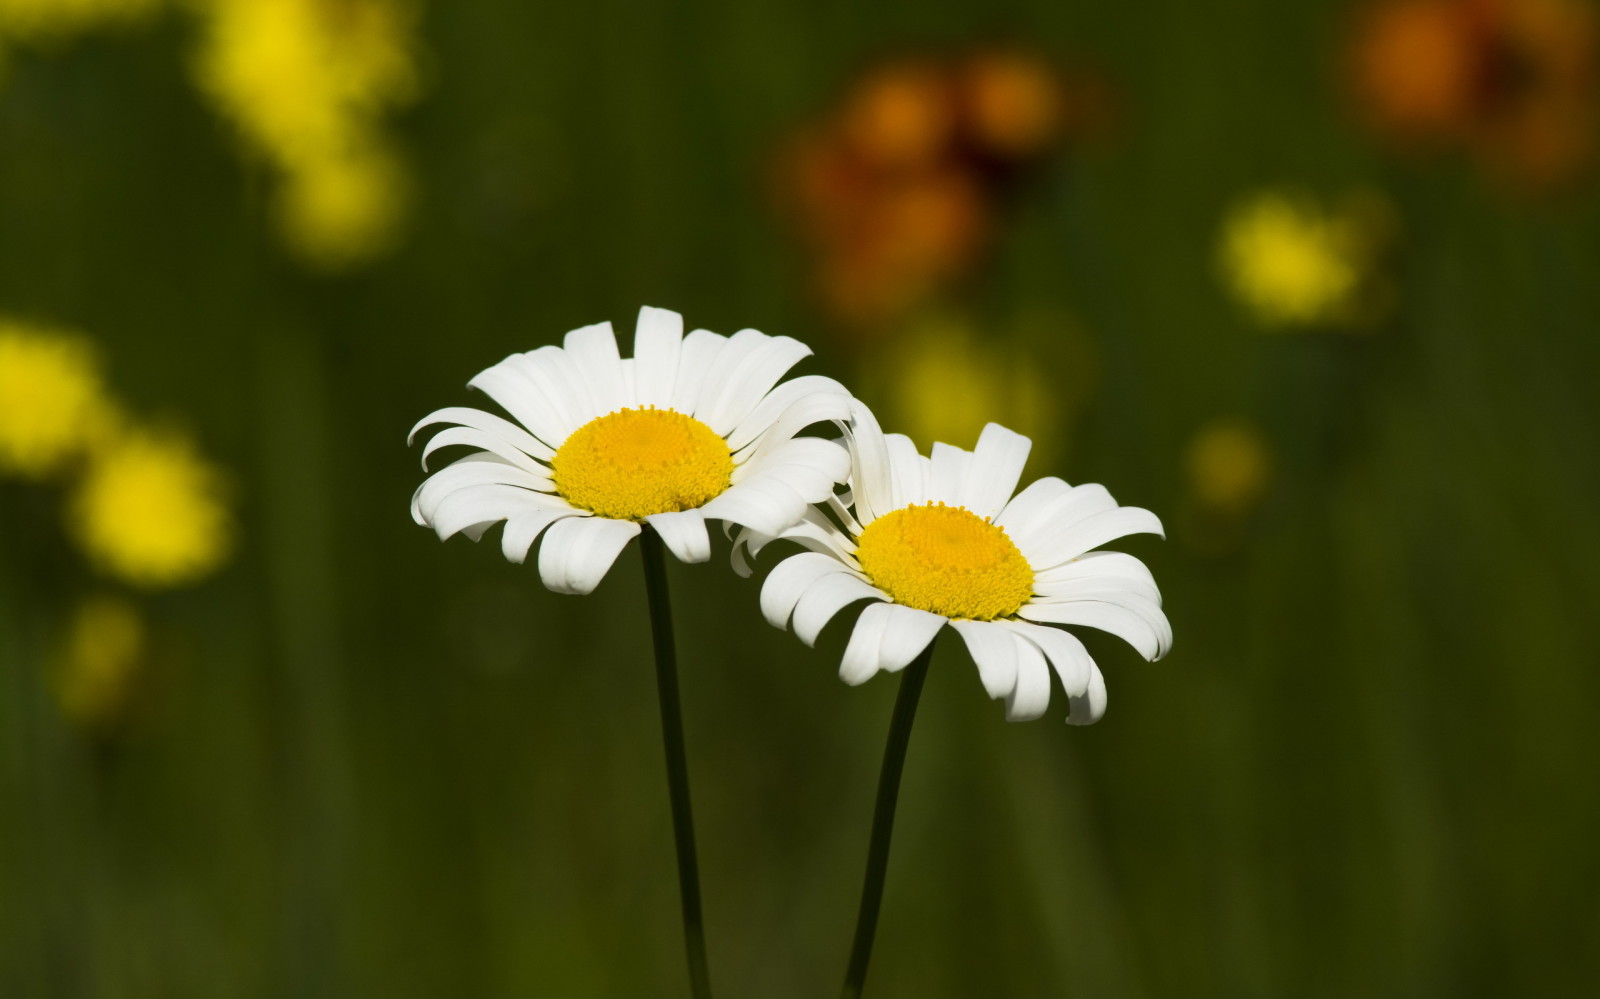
x,y
632,463
945,559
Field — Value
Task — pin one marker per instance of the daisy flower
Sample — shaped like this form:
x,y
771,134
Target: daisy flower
x,y
690,428
941,540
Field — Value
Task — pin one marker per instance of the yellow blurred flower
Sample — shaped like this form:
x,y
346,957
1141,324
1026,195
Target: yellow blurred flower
x,y
100,660
52,399
339,210
1289,261
943,384
43,19
306,82
150,511
1229,467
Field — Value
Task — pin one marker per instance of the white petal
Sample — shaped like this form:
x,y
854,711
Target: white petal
x,y
828,596
577,553
949,474
1135,621
559,381
1117,569
869,458
479,439
742,386
861,654
476,507
789,581
684,534
1090,706
810,466
480,469
724,364
908,633
994,652
657,342
1055,547
996,467
1071,660
1031,695
594,349
523,528
1031,506
762,502
908,472
700,353
490,424
790,408
511,384
1048,507
816,532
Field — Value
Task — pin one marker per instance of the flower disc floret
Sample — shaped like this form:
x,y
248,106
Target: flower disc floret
x,y
633,463
946,560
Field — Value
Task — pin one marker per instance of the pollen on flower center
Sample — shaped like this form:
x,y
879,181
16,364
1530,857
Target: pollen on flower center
x,y
632,463
947,560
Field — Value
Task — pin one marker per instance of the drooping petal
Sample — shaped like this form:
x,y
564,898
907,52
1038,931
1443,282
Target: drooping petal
x,y
489,423
522,529
484,441
764,503
861,653
1071,660
1135,621
578,552
811,466
480,469
994,653
1031,695
657,342
684,534
789,581
908,633
995,469
829,595
473,508
1090,706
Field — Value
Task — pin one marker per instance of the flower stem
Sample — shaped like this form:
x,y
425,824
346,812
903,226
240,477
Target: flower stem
x,y
694,933
894,758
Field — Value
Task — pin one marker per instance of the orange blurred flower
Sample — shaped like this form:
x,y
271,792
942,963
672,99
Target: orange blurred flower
x,y
896,190
1511,80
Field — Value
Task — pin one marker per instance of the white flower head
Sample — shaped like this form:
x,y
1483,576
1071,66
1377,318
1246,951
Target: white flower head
x,y
941,540
690,428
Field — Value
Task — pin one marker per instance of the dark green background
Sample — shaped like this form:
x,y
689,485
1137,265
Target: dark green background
x,y
377,766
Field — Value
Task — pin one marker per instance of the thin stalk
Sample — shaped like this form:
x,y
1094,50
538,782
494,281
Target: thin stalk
x,y
894,759
694,932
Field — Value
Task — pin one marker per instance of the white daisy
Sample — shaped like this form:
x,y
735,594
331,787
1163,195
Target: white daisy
x,y
689,428
942,540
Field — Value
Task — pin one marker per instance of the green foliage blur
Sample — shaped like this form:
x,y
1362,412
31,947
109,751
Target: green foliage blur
x,y
365,764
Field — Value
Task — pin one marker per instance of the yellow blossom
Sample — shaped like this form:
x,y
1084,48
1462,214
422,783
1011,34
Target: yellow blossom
x,y
340,209
52,400
45,19
150,511
941,383
1229,467
305,82
105,646
1289,261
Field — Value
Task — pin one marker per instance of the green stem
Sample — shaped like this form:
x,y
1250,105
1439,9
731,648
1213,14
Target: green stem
x,y
894,759
694,933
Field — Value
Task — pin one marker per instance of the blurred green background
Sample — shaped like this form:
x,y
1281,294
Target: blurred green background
x,y
358,762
